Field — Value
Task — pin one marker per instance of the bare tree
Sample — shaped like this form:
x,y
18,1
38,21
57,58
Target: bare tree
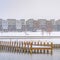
x,y
36,25
26,29
49,27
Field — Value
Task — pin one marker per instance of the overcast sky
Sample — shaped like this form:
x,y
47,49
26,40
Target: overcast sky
x,y
26,9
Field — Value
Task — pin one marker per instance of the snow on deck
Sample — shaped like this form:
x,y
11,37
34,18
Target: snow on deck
x,y
41,46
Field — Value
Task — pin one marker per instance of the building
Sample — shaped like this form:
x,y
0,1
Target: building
x,y
58,25
0,24
23,24
42,24
30,25
11,24
49,26
36,25
54,27
4,25
18,25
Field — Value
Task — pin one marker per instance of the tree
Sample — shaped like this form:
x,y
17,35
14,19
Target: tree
x,y
49,27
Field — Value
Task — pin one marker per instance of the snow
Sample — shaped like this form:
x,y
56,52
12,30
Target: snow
x,y
55,41
29,34
41,46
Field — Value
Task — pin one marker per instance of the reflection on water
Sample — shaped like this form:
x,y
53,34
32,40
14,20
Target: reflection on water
x,y
22,56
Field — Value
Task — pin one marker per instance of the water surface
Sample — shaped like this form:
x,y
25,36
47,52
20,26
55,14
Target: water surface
x,y
22,56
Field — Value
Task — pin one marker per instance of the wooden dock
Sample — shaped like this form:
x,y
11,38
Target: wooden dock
x,y
27,46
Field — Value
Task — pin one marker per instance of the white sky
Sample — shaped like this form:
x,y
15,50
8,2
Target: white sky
x,y
18,9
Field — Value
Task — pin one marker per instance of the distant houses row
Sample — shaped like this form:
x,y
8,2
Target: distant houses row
x,y
29,25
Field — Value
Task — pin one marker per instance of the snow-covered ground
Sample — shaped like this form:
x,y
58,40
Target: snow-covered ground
x,y
55,41
29,34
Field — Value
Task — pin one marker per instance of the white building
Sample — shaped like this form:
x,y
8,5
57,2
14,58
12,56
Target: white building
x,y
0,24
11,24
18,25
23,24
58,25
4,25
53,24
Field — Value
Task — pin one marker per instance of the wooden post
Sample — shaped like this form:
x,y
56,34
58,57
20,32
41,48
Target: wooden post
x,y
47,44
10,43
44,51
40,43
16,46
40,51
51,47
34,43
24,46
31,47
44,44
47,51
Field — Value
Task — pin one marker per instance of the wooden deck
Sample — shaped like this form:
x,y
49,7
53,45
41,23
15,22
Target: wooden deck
x,y
27,46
